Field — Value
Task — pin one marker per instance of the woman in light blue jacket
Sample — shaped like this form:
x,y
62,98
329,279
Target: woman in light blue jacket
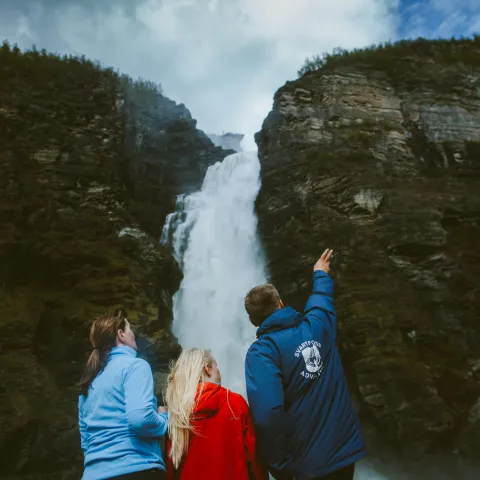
x,y
120,426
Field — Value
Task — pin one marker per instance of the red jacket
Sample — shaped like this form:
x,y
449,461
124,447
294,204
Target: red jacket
x,y
223,445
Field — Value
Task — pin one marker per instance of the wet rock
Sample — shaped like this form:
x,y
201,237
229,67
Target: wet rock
x,y
380,162
87,174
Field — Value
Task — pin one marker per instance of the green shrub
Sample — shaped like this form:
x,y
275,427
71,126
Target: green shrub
x,y
396,57
53,66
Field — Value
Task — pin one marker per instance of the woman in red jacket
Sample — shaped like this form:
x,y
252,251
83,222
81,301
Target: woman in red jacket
x,y
211,434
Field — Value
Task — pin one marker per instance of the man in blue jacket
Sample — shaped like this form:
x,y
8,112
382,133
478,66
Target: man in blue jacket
x,y
306,424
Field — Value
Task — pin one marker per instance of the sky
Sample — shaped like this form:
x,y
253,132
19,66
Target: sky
x,y
224,58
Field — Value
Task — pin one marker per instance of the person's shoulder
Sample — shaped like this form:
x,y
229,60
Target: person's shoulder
x,y
253,347
140,363
135,364
236,397
259,344
264,345
237,400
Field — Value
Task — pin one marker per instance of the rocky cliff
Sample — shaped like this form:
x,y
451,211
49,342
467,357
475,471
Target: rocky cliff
x,y
167,154
376,154
90,164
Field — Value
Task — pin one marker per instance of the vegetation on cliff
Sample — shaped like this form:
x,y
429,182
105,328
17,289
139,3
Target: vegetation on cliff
x,y
43,64
396,57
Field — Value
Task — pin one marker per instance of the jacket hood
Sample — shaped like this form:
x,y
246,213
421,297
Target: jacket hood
x,y
210,400
280,320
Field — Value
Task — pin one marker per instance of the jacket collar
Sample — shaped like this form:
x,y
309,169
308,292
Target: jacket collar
x,y
123,350
212,397
280,320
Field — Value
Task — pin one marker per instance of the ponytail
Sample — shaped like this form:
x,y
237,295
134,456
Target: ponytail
x,y
103,335
95,364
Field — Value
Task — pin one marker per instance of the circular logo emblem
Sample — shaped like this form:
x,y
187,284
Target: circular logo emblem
x,y
313,360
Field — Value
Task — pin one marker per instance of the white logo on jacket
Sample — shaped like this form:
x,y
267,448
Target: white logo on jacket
x,y
310,352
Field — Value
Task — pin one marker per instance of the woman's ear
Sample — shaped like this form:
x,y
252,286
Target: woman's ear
x,y
208,370
120,335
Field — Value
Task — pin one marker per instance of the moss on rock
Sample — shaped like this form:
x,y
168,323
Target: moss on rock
x,y
81,209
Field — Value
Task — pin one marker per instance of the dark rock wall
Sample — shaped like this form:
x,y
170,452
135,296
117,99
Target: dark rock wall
x,y
88,173
167,155
381,162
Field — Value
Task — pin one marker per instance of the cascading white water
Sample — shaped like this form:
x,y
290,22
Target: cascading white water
x,y
214,238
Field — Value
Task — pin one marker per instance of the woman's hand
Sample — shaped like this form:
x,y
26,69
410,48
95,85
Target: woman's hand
x,y
162,410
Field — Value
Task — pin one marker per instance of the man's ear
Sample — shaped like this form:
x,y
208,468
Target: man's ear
x,y
281,305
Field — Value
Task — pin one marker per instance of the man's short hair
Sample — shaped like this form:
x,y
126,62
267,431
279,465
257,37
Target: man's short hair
x,y
261,302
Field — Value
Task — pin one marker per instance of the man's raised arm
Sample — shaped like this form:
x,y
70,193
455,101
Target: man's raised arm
x,y
320,303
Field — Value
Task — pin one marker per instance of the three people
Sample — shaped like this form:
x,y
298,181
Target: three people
x,y
306,425
300,405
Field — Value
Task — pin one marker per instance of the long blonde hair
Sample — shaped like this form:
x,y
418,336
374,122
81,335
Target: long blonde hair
x,y
180,395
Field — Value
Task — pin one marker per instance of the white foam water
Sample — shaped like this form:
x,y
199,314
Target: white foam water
x,y
214,237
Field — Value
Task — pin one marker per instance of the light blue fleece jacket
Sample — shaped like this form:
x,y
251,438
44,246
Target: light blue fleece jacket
x,y
119,424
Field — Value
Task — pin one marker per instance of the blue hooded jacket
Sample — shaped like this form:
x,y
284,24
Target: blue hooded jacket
x,y
120,428
297,391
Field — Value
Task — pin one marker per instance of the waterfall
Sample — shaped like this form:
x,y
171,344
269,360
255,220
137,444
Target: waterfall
x,y
213,234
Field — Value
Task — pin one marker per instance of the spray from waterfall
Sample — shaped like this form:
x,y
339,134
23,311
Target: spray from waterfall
x,y
213,233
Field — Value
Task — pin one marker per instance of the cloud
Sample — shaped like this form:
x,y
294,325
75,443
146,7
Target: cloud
x,y
440,18
223,58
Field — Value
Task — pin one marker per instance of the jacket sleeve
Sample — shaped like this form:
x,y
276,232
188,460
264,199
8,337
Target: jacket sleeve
x,y
320,303
257,471
140,404
82,426
266,400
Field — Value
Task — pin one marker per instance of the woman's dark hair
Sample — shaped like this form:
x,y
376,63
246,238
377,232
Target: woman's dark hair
x,y
103,335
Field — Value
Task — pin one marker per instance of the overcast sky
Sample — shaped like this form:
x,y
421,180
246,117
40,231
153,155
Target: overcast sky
x,y
224,58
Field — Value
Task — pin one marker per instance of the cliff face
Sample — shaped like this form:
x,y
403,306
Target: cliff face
x,y
379,160
81,209
167,154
